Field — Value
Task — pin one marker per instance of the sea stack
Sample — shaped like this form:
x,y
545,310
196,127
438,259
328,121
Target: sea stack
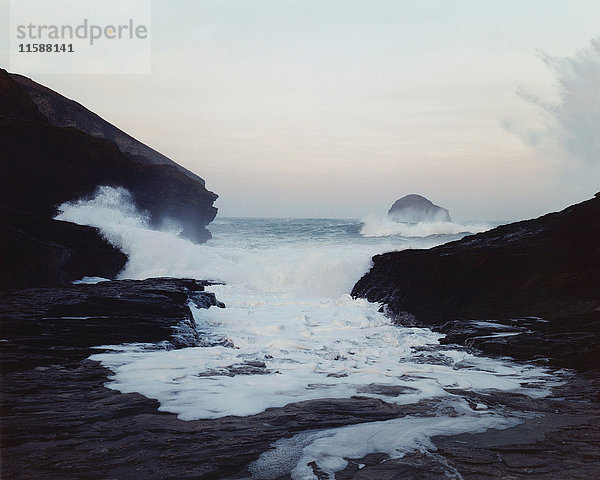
x,y
417,209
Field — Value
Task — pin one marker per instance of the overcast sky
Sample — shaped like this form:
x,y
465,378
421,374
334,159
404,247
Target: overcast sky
x,y
336,108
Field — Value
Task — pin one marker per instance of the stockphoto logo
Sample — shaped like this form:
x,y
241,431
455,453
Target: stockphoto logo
x,y
84,36
85,31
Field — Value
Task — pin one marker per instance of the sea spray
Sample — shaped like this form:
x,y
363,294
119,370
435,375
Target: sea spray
x,y
381,226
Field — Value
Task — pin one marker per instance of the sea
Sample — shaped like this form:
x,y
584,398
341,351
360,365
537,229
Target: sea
x,y
286,283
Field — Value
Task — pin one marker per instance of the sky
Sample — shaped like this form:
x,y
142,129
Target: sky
x,y
336,108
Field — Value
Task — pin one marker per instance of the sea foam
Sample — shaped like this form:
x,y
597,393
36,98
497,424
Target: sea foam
x,y
380,226
291,333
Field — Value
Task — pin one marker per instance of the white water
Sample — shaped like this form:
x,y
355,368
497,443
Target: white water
x,y
288,308
382,226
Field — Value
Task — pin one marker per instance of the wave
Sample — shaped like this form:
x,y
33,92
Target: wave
x,y
267,263
380,226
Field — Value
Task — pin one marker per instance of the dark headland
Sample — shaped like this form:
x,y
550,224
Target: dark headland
x,y
55,150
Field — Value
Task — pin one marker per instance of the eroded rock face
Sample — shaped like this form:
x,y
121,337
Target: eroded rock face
x,y
45,165
417,209
548,268
49,158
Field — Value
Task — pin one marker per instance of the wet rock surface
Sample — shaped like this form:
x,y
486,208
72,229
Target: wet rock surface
x,y
560,440
574,344
59,421
42,326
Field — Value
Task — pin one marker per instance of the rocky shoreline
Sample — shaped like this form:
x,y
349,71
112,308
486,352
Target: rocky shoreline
x,y
528,289
60,421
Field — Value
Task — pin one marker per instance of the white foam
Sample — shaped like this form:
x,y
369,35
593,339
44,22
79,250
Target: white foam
x,y
311,349
329,449
90,280
380,226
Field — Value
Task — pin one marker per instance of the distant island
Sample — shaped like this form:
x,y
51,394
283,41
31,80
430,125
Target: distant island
x,y
414,208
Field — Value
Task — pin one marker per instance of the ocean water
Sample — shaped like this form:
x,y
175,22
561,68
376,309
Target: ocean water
x,y
291,332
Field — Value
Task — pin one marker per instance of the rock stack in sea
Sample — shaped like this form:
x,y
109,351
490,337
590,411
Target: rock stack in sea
x,y
414,208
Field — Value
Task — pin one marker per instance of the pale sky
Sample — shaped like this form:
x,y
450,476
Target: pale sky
x,y
336,108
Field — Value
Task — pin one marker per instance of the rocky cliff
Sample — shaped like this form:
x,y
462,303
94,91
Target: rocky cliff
x,y
416,209
44,165
64,112
538,280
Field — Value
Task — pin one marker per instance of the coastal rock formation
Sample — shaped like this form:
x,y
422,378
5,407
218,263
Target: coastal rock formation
x,y
417,209
48,160
60,421
39,252
45,165
542,275
64,112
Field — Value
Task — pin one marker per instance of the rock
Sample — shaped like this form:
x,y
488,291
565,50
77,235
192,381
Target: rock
x,y
38,252
559,440
46,165
548,267
417,209
63,112
74,318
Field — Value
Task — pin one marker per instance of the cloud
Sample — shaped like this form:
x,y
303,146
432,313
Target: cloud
x,y
570,127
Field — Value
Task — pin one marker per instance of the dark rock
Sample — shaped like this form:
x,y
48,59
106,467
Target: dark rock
x,y
64,112
59,421
416,209
45,325
44,166
548,267
560,438
37,252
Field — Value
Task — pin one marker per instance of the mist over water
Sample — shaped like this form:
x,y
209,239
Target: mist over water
x,y
292,333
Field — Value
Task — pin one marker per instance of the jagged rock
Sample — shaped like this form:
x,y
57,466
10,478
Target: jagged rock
x,y
548,267
417,209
